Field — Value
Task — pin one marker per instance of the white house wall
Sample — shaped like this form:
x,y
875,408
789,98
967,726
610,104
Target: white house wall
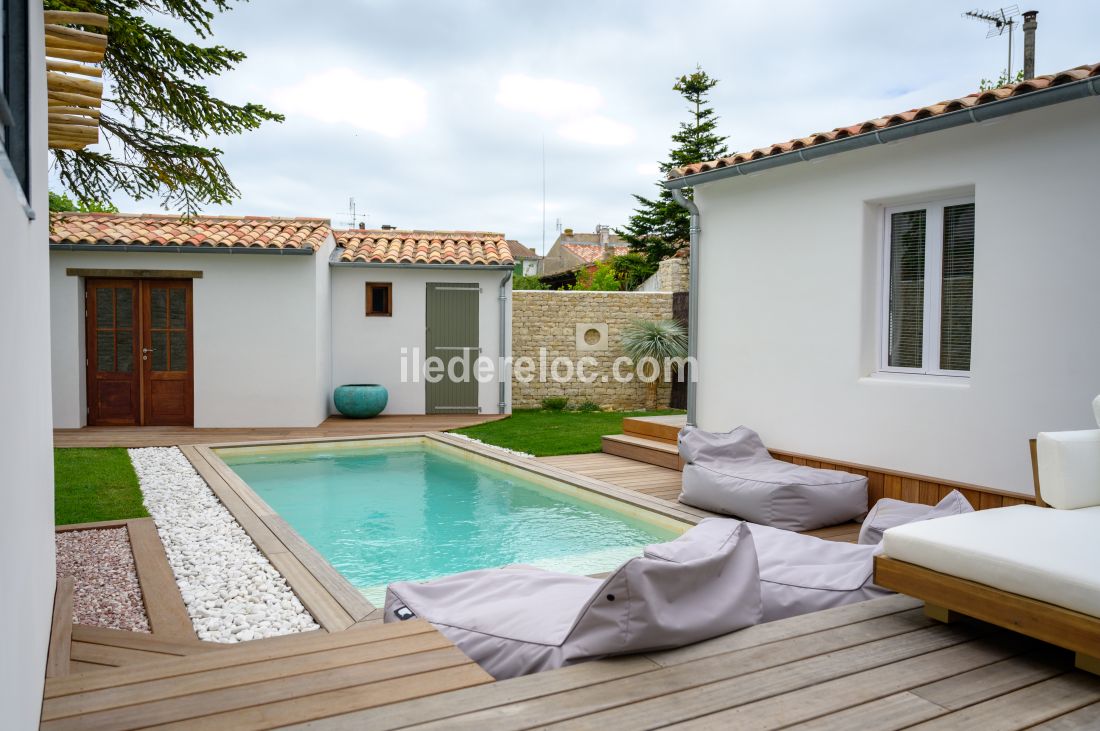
x,y
260,335
368,349
26,456
789,299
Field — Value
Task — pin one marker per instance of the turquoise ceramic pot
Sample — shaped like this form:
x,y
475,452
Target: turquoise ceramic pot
x,y
360,400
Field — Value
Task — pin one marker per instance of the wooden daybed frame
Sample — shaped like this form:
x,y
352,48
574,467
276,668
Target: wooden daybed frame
x,y
945,597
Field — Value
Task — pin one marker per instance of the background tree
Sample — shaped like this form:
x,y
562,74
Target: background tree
x,y
598,278
156,109
659,227
62,202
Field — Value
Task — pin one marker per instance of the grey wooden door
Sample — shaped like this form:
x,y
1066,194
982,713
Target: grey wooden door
x,y
452,332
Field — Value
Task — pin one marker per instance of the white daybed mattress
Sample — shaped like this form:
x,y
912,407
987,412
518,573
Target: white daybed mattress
x,y
1042,553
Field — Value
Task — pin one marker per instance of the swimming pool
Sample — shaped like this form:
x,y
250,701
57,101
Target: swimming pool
x,y
386,510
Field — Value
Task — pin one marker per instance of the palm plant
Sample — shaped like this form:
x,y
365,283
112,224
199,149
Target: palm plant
x,y
660,340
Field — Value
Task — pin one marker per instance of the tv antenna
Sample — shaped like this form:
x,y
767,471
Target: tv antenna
x,y
354,217
999,21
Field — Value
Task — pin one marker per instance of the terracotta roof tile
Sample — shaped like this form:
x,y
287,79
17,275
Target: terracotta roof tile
x,y
423,247
140,229
932,110
590,253
519,251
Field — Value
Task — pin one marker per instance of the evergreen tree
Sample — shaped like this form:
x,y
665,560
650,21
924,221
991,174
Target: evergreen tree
x,y
154,110
659,226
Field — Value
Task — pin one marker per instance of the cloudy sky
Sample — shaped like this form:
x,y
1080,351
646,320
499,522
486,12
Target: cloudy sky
x,y
433,114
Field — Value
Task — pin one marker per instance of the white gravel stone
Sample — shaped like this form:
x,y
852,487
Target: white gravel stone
x,y
231,590
512,452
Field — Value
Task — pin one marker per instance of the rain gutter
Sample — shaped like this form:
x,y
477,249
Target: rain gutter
x,y
157,249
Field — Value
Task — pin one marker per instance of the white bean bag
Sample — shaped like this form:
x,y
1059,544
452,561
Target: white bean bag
x,y
734,474
801,573
519,620
889,513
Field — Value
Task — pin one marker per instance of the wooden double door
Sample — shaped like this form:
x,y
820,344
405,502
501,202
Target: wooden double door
x,y
140,352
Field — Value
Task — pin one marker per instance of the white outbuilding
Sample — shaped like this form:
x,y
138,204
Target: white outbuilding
x,y
251,321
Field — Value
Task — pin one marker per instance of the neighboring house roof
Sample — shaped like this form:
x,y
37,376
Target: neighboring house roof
x,y
587,238
591,253
423,247
874,125
519,251
203,232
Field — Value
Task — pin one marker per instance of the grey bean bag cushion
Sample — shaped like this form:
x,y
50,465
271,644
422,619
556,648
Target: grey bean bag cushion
x,y
800,573
520,620
734,474
889,513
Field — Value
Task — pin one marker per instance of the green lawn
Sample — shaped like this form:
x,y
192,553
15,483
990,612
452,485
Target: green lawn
x,y
95,484
546,433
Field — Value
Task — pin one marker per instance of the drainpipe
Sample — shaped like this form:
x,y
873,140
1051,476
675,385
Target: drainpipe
x,y
693,298
502,298
1030,24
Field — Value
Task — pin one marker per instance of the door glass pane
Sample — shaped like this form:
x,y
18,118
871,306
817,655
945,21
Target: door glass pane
x,y
104,307
105,351
158,307
178,350
958,287
906,316
177,310
125,343
159,356
124,307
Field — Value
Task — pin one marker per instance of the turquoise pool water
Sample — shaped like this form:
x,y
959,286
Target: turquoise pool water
x,y
409,511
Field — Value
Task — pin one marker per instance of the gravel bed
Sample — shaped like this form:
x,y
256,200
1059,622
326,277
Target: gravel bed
x,y
512,452
231,590
106,592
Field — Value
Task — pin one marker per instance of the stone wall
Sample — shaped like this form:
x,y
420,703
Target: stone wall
x,y
672,275
573,325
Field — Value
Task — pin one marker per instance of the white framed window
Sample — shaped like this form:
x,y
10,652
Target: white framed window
x,y
927,288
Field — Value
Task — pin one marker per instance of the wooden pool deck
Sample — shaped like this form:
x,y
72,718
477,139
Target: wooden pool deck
x,y
333,427
877,665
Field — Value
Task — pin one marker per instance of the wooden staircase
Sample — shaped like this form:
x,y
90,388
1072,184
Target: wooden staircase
x,y
648,439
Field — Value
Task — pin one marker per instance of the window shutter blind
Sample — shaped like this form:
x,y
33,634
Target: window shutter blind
x,y
906,320
958,287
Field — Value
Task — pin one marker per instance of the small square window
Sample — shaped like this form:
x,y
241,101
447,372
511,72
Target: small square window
x,y
379,299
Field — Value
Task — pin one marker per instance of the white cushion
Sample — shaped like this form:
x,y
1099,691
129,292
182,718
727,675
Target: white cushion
x,y
1044,554
1069,468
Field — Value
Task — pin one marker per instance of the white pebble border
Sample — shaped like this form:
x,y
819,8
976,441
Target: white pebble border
x,y
231,590
512,452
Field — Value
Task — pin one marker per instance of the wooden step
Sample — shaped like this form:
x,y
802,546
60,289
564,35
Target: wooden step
x,y
659,428
642,449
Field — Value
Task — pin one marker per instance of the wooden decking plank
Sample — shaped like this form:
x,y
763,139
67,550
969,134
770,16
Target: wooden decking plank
x,y
1025,707
270,693
791,694
892,713
153,436
110,655
994,680
76,666
96,525
255,651
58,655
1087,717
328,612
785,629
164,605
446,705
851,689
746,674
238,675
345,700
141,641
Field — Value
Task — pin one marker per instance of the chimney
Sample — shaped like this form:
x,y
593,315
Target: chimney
x,y
362,226
1030,24
387,227
605,234
568,232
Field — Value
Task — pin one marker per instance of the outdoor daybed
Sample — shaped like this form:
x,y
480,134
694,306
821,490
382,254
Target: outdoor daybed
x,y
1031,569
734,474
519,619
